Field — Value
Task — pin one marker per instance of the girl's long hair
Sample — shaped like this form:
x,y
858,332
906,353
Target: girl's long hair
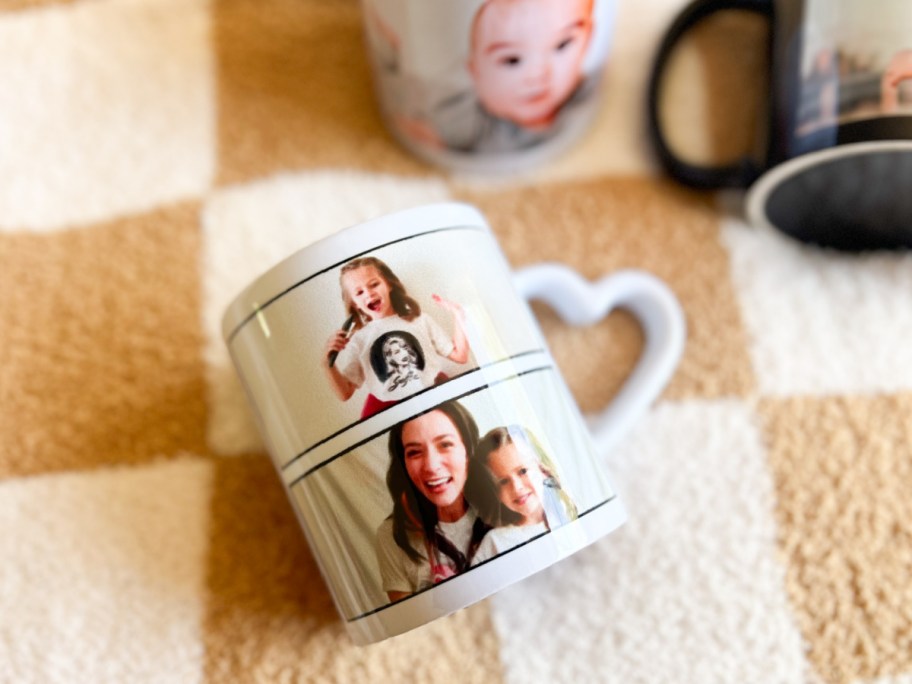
x,y
411,510
482,490
403,305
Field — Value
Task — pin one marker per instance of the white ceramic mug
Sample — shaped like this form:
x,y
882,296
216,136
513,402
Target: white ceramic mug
x,y
426,439
487,85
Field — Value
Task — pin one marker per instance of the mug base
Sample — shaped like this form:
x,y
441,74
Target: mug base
x,y
488,577
852,197
501,163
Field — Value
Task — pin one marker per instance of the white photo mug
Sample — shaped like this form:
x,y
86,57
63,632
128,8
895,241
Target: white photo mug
x,y
427,441
487,85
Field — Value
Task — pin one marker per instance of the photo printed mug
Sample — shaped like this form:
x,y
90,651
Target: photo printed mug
x,y
487,85
426,439
838,167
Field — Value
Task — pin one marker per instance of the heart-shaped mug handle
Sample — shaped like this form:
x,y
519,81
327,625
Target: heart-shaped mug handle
x,y
580,302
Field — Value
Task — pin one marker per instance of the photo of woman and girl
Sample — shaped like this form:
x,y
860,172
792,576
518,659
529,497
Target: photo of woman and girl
x,y
386,343
525,75
460,499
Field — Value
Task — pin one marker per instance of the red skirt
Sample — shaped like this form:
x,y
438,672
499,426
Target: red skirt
x,y
373,405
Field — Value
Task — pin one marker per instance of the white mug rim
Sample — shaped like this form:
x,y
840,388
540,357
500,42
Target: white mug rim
x,y
495,574
342,246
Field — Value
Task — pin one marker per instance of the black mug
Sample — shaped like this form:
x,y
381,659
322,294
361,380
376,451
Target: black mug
x,y
837,170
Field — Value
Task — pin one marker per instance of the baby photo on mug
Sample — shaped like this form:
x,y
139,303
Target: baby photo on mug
x,y
451,489
856,62
360,337
498,76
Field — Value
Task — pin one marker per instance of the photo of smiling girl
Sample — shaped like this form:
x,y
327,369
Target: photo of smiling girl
x,y
514,485
388,344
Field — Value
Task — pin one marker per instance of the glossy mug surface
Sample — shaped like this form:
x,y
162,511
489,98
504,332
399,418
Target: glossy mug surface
x,y
426,439
838,165
487,85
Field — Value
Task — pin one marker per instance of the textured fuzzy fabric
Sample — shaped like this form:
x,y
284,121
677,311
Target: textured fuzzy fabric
x,y
155,155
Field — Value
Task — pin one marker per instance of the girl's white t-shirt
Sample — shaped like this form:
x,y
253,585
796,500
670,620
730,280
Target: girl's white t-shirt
x,y
501,539
395,358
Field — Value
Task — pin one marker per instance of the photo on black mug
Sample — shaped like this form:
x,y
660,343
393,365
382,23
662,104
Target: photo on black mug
x,y
838,164
856,65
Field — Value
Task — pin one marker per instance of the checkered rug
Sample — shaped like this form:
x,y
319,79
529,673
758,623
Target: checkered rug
x,y
155,155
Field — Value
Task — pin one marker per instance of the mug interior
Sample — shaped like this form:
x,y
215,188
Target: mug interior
x,y
852,197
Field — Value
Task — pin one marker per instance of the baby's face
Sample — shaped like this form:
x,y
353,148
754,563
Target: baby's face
x,y
526,56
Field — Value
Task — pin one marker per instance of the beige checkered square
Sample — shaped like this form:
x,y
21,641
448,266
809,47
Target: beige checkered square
x,y
294,91
18,5
101,342
601,226
843,472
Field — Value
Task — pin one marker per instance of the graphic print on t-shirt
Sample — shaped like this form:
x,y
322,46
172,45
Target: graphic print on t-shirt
x,y
397,359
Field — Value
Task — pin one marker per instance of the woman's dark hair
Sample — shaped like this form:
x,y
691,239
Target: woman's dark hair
x,y
411,510
403,305
482,490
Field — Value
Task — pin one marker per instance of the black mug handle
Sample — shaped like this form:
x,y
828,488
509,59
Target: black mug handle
x,y
739,174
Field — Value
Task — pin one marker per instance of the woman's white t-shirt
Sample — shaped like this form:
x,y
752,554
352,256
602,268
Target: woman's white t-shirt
x,y
399,572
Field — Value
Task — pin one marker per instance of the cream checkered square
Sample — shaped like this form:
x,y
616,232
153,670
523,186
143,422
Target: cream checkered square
x,y
822,322
690,588
106,108
104,575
